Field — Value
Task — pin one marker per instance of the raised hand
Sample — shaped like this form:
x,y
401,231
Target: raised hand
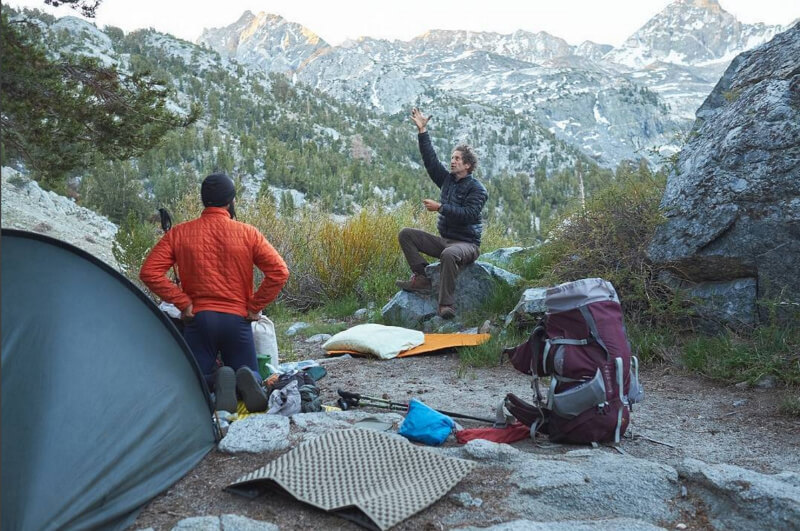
x,y
420,119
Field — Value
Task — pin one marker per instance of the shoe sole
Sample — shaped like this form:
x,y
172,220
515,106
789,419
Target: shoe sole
x,y
225,390
253,396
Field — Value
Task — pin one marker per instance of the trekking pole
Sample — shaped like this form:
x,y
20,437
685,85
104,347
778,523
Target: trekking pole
x,y
166,225
354,400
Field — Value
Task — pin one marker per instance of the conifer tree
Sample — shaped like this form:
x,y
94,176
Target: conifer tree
x,y
58,111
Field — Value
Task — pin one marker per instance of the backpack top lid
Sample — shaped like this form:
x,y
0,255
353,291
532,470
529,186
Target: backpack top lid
x,y
571,295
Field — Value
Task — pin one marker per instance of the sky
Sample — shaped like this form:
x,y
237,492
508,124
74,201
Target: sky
x,y
601,21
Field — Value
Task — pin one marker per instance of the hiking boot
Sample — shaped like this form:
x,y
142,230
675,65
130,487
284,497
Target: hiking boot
x,y
447,312
418,283
253,395
225,390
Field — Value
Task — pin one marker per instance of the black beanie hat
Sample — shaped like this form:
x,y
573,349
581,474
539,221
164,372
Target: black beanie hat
x,y
217,190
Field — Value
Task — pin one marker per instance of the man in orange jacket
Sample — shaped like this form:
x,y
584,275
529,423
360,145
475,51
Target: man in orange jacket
x,y
214,257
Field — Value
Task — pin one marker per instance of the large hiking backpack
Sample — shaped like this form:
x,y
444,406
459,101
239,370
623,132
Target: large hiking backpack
x,y
581,344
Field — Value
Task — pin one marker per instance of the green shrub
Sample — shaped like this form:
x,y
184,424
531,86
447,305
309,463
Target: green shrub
x,y
132,243
730,357
489,354
608,239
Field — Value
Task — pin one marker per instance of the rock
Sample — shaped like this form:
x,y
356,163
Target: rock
x,y
198,523
296,327
503,257
361,314
603,524
26,206
464,499
313,425
223,523
486,327
598,484
256,434
409,309
733,202
737,498
767,382
732,301
318,338
483,450
529,308
474,286
240,523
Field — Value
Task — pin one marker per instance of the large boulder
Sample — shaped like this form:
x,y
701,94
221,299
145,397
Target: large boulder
x,y
474,286
733,202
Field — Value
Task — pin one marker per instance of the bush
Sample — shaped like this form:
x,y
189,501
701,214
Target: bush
x,y
608,239
489,354
331,259
132,243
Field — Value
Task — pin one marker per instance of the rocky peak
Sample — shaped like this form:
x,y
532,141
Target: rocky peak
x,y
690,32
710,5
265,40
521,45
592,50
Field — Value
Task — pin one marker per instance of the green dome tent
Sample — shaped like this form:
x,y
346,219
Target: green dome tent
x,y
103,405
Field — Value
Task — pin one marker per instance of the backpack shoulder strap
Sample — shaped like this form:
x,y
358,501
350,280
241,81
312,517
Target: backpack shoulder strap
x,y
594,333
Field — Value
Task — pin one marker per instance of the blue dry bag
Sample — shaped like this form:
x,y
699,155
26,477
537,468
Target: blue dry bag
x,y
425,425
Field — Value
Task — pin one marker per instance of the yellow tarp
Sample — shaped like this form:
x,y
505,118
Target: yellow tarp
x,y
433,342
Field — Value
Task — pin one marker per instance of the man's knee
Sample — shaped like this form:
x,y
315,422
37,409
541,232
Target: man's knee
x,y
405,235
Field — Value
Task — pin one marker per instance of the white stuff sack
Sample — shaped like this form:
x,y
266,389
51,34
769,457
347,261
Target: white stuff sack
x,y
265,339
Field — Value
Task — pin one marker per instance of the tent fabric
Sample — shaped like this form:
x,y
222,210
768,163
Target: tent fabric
x,y
103,405
432,343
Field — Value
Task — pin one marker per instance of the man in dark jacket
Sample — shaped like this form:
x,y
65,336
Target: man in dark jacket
x,y
459,224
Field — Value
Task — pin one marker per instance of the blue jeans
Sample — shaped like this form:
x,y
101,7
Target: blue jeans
x,y
231,335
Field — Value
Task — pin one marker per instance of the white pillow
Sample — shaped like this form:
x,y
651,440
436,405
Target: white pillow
x,y
386,342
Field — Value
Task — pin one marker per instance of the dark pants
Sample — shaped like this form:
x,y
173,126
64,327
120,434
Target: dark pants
x,y
212,332
452,253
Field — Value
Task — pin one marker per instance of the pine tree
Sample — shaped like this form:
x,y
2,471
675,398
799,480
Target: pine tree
x,y
58,112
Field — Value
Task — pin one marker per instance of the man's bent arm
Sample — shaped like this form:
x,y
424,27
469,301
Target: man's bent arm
x,y
154,274
436,170
469,213
267,259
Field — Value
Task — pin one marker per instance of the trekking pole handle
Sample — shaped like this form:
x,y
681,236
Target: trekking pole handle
x,y
348,395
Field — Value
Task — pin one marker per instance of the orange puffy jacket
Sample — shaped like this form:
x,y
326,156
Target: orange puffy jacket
x,y
214,257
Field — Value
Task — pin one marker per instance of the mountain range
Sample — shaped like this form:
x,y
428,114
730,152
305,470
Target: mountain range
x,y
611,103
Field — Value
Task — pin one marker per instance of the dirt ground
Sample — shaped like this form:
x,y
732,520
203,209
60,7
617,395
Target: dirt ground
x,y
682,416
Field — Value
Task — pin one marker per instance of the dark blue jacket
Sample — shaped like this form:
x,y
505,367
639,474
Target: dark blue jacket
x,y
462,200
